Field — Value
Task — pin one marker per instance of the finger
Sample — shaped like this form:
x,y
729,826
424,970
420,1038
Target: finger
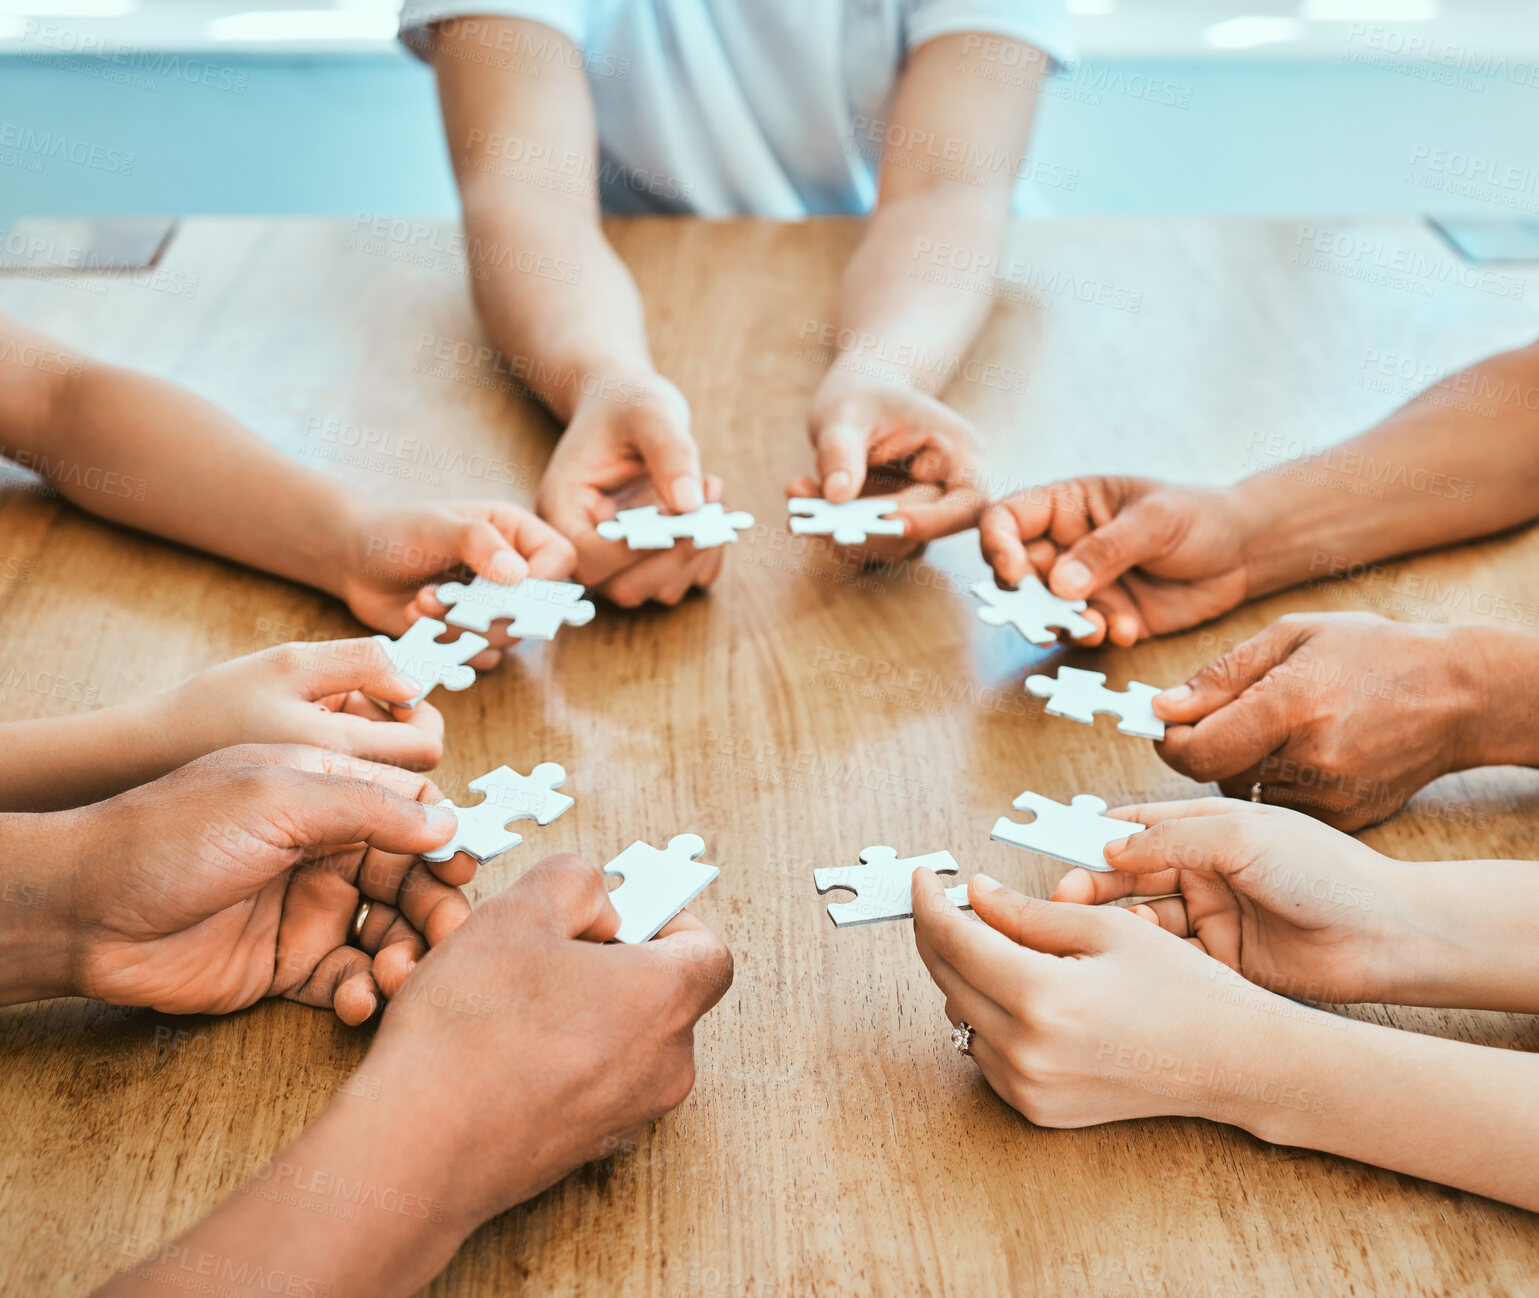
x,y
988,959
1141,531
1224,679
320,668
1095,887
485,550
434,908
1169,913
671,457
567,897
804,487
540,550
839,442
1047,926
415,744
963,1000
702,959
1125,625
926,520
647,578
1004,547
1210,843
1239,735
397,953
343,981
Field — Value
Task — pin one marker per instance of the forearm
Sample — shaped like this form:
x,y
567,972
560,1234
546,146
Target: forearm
x,y
361,1203
146,453
577,331
57,762
1471,937
1450,467
37,927
904,313
1462,1115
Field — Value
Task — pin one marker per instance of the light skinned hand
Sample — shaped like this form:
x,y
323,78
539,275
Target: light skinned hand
x,y
564,1044
1342,715
316,692
1283,900
878,437
1150,557
1084,1015
625,448
395,552
237,877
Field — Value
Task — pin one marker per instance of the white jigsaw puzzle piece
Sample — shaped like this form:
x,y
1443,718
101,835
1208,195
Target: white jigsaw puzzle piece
x,y
1032,610
1079,695
482,831
849,523
419,656
535,608
657,885
1077,833
883,885
648,528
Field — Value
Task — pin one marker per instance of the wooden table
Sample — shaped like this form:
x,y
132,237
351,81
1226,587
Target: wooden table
x,y
834,1142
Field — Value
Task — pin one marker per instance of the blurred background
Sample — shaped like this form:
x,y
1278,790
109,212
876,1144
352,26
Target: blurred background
x,y
1261,106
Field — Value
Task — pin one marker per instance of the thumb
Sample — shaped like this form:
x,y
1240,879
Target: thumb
x,y
1052,927
671,457
566,897
1140,532
1225,678
318,809
840,442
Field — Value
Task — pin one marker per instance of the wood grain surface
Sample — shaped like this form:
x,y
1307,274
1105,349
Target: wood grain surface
x,y
834,1142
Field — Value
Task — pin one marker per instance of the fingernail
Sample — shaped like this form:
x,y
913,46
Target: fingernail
x,y
503,567
1176,694
1072,577
987,881
442,820
1114,848
687,495
837,483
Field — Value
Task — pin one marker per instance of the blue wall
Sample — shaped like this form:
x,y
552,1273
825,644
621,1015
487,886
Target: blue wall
x,y
175,134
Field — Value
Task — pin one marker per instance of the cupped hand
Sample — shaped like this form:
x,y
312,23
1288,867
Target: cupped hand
x,y
563,1043
1283,900
874,436
1084,1015
237,877
622,450
318,692
396,552
1342,715
1150,557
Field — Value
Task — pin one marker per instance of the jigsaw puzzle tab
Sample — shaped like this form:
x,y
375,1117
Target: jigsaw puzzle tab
x,y
1077,833
482,831
657,885
1032,610
647,528
534,608
849,523
1079,695
883,885
419,656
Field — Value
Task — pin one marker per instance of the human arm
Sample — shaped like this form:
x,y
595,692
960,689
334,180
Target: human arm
x,y
525,1023
905,319
553,294
1154,557
145,453
1087,1015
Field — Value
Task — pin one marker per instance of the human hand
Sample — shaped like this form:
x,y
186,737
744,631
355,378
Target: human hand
x,y
395,552
565,1047
1150,557
237,877
623,454
1288,903
1342,715
1084,1015
875,437
316,693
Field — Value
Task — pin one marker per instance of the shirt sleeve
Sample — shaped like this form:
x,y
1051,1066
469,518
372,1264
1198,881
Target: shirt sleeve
x,y
569,17
1042,23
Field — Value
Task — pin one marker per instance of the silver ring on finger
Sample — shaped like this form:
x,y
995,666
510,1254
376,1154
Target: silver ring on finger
x,y
962,1037
1255,791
